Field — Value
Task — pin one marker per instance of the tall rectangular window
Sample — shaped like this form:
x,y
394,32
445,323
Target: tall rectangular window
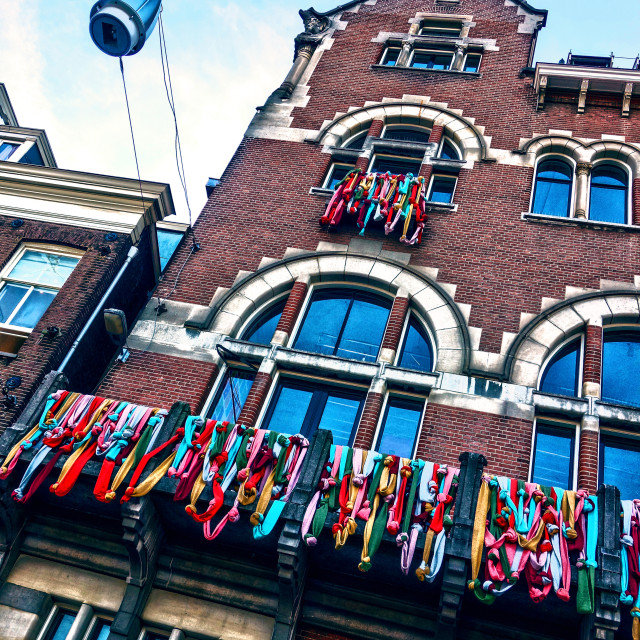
x,y
472,62
390,56
442,189
337,171
231,395
61,625
553,456
619,464
299,407
431,60
399,429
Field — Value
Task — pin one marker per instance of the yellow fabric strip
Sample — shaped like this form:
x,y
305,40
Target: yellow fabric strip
x,y
479,526
154,477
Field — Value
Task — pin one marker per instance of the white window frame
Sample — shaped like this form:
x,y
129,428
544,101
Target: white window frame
x,y
434,51
394,157
572,196
452,143
354,136
24,146
449,176
58,250
327,181
407,397
400,125
383,60
552,355
627,169
403,335
424,30
464,62
561,424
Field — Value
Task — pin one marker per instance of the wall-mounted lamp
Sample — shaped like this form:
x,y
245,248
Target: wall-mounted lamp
x,y
10,401
115,323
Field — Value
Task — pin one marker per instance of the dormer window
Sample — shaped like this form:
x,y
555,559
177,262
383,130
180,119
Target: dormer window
x,y
442,28
7,149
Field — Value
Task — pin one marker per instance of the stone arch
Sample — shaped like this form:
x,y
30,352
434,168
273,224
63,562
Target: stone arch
x,y
532,347
444,318
469,137
582,152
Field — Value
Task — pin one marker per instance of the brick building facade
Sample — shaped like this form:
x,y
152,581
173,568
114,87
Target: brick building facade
x,y
508,331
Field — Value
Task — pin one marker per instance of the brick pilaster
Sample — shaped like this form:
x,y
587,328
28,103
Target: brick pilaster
x,y
375,128
592,369
369,420
588,456
363,162
391,339
255,399
426,170
291,311
437,131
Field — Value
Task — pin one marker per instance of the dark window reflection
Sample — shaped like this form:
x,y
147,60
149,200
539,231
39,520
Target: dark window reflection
x,y
553,188
619,464
562,374
261,330
553,457
399,428
608,194
620,368
417,352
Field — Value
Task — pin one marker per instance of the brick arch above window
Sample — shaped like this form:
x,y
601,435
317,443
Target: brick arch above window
x,y
531,349
429,299
581,151
469,137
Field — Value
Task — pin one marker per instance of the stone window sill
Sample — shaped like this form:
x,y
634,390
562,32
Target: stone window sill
x,y
468,74
578,222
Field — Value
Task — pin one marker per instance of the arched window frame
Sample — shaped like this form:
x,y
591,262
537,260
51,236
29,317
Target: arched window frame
x,y
347,286
621,327
353,138
403,338
627,170
562,158
554,352
263,310
399,125
447,139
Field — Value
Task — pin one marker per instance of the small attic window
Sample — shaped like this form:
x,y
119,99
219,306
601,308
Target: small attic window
x,y
446,28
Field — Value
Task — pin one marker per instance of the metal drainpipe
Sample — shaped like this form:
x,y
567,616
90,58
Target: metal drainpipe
x,y
133,252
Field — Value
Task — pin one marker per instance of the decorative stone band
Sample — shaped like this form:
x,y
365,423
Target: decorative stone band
x,y
395,201
406,498
530,529
630,540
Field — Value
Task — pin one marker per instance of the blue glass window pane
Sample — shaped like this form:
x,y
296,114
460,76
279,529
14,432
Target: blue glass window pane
x,y
553,459
472,63
609,176
7,149
431,61
323,324
357,142
32,156
621,369
561,374
406,134
232,397
449,152
39,267
382,164
339,417
620,466
338,173
290,410
555,170
33,308
552,198
101,631
363,331
168,242
442,189
63,626
261,331
391,57
399,430
10,297
417,352
608,205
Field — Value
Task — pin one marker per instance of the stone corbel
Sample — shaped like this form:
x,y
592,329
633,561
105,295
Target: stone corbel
x,y
142,538
457,552
582,99
542,91
405,53
605,621
626,99
458,59
292,551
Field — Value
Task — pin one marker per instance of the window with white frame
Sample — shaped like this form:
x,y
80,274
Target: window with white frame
x,y
554,454
338,171
28,285
562,375
553,188
88,625
442,188
399,427
440,28
609,193
390,56
439,60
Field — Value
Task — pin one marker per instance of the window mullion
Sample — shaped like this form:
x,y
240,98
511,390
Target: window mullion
x,y
20,305
344,325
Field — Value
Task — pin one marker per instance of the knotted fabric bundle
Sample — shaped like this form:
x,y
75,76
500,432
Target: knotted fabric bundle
x,y
406,498
630,539
530,529
383,198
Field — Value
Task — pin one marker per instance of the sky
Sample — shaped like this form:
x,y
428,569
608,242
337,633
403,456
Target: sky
x,y
225,57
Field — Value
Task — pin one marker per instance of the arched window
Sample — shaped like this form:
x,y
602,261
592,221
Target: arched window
x,y
562,375
407,134
552,194
261,330
621,367
356,141
416,352
609,188
344,323
448,151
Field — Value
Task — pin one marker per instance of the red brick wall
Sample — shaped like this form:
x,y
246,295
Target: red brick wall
x,y
588,461
504,441
292,308
71,307
158,380
395,324
255,399
369,420
593,354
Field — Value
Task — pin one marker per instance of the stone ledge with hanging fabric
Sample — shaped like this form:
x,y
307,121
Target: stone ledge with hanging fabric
x,y
393,201
630,557
538,531
406,498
